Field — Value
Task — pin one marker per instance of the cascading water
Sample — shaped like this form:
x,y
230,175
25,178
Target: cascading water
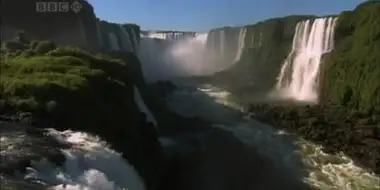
x,y
298,76
135,42
241,43
99,34
170,35
89,164
176,54
114,42
222,44
126,40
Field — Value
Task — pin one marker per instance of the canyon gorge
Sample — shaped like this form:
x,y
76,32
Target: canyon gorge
x,y
285,103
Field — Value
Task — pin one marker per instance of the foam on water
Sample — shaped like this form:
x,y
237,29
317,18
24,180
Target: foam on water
x,y
90,165
292,154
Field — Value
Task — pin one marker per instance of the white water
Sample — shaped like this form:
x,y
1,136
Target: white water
x,y
142,106
298,77
90,165
114,42
241,44
291,154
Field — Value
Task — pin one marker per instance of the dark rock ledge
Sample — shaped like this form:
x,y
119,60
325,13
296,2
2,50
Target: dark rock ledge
x,y
357,134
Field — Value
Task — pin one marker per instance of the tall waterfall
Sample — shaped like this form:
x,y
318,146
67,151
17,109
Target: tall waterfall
x,y
222,39
114,42
135,41
126,40
241,43
299,73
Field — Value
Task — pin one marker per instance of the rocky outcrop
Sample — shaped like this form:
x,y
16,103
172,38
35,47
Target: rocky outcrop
x,y
81,29
357,134
64,28
90,93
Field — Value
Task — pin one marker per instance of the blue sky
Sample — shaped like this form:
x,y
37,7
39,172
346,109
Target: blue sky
x,y
199,15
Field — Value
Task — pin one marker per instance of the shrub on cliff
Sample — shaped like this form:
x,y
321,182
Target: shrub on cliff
x,y
351,72
68,87
44,46
13,46
21,37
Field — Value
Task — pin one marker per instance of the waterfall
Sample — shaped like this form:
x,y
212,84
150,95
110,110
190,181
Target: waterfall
x,y
125,39
83,33
135,42
167,55
114,42
151,54
241,43
299,73
182,54
171,35
99,34
189,55
222,37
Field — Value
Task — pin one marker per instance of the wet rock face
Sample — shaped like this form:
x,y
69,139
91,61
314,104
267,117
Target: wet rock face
x,y
127,36
20,146
354,133
9,182
64,28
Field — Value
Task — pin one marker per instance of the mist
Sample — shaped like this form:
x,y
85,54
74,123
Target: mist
x,y
164,57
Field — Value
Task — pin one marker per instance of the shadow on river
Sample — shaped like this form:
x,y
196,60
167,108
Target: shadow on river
x,y
237,153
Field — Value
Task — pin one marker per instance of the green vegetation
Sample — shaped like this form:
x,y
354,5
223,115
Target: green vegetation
x,y
351,72
67,86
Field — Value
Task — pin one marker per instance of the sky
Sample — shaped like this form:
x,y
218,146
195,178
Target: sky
x,y
202,15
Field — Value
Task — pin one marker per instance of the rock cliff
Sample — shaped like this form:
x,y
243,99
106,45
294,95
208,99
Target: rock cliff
x,y
350,75
256,61
82,29
98,92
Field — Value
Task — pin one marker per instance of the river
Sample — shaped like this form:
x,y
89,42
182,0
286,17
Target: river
x,y
291,154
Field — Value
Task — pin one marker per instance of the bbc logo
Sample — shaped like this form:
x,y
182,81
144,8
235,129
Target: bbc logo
x,y
58,7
